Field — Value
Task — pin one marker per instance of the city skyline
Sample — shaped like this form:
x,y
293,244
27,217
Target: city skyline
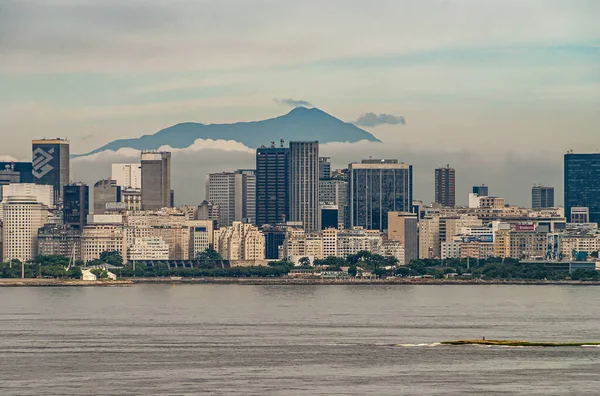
x,y
501,72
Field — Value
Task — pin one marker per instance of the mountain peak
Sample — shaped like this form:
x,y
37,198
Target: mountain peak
x,y
301,123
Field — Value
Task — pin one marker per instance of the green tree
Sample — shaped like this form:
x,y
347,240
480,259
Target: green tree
x,y
112,258
304,262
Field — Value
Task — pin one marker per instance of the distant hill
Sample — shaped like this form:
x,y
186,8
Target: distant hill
x,y
299,124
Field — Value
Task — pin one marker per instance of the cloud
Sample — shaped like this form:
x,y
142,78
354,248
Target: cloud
x,y
372,120
293,102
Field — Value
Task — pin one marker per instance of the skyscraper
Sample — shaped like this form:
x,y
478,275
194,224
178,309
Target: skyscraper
x,y
156,180
481,191
304,184
335,192
582,184
542,197
376,187
127,175
235,194
105,191
51,164
76,199
445,191
272,184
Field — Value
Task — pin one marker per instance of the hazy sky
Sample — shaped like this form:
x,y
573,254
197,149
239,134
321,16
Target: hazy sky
x,y
499,89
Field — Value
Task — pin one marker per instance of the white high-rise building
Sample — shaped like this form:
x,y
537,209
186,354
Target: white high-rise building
x,y
43,193
23,217
127,175
235,193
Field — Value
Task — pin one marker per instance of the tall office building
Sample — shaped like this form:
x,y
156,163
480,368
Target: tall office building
x,y
105,192
445,191
403,227
482,191
235,194
24,169
76,201
156,180
542,197
324,168
377,187
304,184
23,217
127,175
272,184
582,184
51,164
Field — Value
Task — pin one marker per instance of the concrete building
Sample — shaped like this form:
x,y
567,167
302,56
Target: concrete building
x,y
580,215
105,192
445,186
43,194
209,211
235,194
23,217
76,204
429,237
272,185
335,192
324,168
148,248
127,175
520,244
59,241
274,238
377,187
403,227
582,184
156,180
304,184
240,242
450,250
99,238
542,197
51,164
132,198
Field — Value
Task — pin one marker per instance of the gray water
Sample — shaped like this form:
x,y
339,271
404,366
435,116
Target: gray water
x,y
296,340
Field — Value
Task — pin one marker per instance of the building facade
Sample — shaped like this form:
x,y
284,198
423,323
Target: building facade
x,y
335,192
240,242
542,197
304,184
445,186
272,185
403,227
235,194
105,192
76,203
43,194
377,187
582,184
23,217
127,175
51,164
156,180
24,169
148,248
99,238
59,240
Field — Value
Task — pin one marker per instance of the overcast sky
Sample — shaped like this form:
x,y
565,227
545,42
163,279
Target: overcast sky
x,y
499,89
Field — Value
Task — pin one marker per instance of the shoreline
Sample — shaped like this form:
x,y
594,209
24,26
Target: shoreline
x,y
18,282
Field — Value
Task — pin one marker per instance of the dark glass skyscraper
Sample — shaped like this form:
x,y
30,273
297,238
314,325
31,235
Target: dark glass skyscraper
x,y
76,199
582,184
272,184
25,170
445,186
481,191
542,197
376,188
51,164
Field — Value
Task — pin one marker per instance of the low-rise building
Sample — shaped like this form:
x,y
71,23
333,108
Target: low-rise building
x,y
149,248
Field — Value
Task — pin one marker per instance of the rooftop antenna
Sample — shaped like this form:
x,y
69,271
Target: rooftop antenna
x,y
272,144
281,143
